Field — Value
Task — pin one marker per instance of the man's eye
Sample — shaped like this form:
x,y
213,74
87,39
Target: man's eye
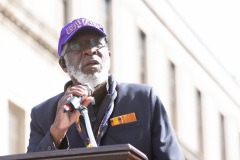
x,y
75,46
94,43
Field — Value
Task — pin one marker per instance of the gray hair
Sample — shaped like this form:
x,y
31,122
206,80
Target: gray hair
x,y
64,48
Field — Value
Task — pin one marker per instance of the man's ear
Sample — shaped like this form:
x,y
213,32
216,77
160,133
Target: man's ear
x,y
109,53
62,64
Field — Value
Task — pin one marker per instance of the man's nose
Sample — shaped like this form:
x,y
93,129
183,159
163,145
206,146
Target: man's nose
x,y
89,50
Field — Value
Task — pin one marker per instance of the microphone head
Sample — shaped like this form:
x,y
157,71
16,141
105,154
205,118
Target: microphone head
x,y
89,89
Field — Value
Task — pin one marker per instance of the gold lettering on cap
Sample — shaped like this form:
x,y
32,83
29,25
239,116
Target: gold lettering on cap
x,y
84,23
78,23
71,28
68,32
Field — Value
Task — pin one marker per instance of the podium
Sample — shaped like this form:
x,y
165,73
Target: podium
x,y
110,152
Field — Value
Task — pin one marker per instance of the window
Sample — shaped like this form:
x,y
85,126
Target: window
x,y
108,11
222,137
239,145
16,129
66,11
108,28
199,121
143,60
172,81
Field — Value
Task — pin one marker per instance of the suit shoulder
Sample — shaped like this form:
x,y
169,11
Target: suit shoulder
x,y
49,102
134,88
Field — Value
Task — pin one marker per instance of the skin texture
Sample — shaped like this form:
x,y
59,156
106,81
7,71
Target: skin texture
x,y
92,61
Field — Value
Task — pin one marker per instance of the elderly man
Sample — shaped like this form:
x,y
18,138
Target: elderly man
x,y
121,113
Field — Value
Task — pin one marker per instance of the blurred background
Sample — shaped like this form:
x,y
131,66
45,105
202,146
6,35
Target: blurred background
x,y
187,50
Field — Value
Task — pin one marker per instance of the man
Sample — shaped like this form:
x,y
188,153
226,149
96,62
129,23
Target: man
x,y
122,113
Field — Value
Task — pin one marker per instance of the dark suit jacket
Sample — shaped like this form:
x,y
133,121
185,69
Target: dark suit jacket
x,y
152,133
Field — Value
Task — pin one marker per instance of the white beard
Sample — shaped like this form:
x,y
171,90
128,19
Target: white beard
x,y
92,80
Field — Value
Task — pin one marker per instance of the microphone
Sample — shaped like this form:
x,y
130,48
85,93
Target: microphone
x,y
73,103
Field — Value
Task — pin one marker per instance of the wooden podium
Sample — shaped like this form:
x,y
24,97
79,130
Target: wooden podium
x,y
111,152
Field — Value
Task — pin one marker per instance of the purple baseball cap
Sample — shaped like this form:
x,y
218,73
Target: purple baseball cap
x,y
73,27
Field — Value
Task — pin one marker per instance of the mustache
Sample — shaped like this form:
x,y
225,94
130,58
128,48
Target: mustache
x,y
87,61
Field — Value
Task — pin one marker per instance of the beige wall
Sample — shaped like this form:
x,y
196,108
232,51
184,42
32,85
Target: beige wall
x,y
29,73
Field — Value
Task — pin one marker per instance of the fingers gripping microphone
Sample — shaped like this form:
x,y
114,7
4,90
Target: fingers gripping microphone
x,y
73,103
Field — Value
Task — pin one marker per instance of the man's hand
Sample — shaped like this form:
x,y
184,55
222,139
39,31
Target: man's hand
x,y
63,121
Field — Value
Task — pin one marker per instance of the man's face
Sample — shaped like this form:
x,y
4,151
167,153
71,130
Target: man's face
x,y
90,64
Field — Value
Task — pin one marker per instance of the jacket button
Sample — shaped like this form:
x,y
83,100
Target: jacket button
x,y
49,148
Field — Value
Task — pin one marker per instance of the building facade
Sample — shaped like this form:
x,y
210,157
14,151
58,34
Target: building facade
x,y
149,42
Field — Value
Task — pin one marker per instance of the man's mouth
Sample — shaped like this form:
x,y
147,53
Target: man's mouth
x,y
91,63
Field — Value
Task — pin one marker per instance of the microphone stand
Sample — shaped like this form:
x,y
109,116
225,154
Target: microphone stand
x,y
84,112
